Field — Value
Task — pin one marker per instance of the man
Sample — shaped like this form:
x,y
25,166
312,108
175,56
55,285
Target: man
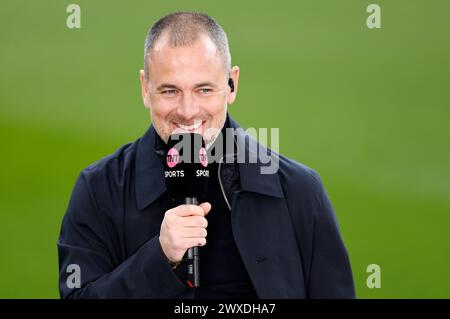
x,y
261,235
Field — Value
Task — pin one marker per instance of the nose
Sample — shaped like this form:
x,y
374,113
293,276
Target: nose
x,y
188,107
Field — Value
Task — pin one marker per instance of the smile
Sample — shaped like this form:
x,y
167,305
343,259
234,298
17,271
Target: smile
x,y
192,127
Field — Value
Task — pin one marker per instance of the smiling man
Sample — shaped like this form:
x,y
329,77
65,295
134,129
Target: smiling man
x,y
261,235
187,68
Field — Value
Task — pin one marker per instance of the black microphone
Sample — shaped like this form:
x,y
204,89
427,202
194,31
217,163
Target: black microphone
x,y
186,175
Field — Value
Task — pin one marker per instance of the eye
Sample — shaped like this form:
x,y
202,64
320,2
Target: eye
x,y
169,92
205,90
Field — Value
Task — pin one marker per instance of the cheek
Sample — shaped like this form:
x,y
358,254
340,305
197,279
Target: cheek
x,y
215,106
159,109
217,113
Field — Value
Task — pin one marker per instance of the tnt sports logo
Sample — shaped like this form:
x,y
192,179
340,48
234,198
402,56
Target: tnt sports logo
x,y
172,157
203,157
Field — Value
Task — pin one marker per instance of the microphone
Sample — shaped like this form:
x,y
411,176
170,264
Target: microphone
x,y
186,174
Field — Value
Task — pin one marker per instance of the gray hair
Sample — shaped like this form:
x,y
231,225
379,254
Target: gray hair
x,y
184,29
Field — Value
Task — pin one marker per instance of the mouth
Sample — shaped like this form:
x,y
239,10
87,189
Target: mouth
x,y
196,127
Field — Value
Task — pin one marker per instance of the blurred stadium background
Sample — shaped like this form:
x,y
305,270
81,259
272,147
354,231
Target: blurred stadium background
x,y
368,109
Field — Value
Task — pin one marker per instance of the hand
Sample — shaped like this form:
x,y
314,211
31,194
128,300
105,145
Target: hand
x,y
183,227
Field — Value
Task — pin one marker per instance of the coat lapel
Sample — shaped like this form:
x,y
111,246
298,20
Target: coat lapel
x,y
265,238
263,230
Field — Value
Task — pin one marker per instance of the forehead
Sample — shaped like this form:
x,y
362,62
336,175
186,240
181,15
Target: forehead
x,y
197,59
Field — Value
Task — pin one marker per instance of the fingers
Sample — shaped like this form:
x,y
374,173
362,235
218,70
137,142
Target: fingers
x,y
193,232
206,207
184,227
192,210
195,221
192,242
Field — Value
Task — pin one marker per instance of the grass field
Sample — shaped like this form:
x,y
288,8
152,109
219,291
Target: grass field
x,y
368,109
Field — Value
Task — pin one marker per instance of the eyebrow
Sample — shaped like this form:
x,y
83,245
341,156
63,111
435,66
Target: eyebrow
x,y
164,86
207,83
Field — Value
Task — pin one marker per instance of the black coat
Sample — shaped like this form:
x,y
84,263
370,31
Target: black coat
x,y
283,225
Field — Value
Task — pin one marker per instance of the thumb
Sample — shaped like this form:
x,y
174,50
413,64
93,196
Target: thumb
x,y
206,207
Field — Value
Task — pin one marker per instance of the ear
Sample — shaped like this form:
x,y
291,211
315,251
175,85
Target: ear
x,y
234,74
144,89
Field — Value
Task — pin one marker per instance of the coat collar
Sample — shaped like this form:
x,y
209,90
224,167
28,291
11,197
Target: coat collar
x,y
150,182
250,173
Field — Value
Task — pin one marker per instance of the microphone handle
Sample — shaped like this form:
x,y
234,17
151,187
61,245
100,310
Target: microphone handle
x,y
193,258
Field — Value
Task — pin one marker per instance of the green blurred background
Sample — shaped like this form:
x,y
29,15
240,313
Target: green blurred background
x,y
368,109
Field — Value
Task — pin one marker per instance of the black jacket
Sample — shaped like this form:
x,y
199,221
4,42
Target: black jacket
x,y
283,225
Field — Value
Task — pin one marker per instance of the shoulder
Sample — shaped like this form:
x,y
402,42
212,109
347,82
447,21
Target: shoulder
x,y
298,175
299,182
116,163
105,177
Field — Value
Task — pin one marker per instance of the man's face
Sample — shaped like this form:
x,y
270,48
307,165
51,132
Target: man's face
x,y
187,89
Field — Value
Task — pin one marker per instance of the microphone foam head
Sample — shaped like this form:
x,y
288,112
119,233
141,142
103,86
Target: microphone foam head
x,y
186,166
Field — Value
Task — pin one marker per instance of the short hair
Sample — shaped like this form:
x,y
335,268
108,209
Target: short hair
x,y
184,28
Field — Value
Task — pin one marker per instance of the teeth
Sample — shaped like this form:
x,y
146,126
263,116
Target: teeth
x,y
190,127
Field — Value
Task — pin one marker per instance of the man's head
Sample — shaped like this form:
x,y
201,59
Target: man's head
x,y
184,83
